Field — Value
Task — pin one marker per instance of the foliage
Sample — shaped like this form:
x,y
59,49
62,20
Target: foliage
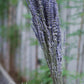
x,y
33,41
76,33
43,75
13,2
3,7
28,16
11,33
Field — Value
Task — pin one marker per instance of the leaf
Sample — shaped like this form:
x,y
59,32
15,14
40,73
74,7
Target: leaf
x,y
33,41
78,15
71,23
14,2
28,16
76,33
65,72
72,7
68,58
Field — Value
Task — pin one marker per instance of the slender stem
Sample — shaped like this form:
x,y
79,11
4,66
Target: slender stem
x,y
79,45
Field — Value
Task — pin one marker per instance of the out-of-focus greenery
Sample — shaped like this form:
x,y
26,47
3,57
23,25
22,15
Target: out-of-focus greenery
x,y
12,34
5,4
14,2
42,76
3,7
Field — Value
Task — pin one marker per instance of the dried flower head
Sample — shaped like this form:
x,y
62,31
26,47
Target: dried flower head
x,y
46,27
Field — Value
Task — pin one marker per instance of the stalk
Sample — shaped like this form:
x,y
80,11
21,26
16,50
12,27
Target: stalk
x,y
47,30
79,45
82,61
67,52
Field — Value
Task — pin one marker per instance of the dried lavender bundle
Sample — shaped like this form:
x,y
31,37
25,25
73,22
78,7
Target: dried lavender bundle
x,y
46,27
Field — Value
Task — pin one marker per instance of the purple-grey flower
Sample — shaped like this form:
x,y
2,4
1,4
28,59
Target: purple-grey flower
x,y
47,30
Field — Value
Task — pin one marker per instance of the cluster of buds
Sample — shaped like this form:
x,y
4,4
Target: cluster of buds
x,y
46,27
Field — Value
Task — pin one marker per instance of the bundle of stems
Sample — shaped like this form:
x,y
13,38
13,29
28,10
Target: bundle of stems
x,y
47,30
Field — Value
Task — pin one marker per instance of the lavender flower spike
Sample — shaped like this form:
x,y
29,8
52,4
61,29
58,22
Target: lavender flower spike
x,y
47,30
